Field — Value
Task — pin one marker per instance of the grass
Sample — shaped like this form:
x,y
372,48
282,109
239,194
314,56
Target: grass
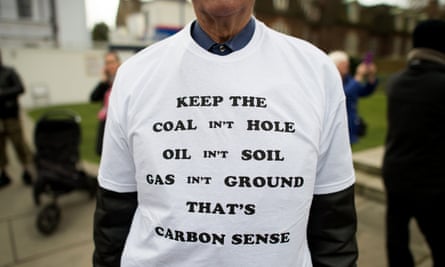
x,y
373,111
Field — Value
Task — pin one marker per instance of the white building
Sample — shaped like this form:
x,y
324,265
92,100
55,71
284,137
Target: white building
x,y
44,23
48,43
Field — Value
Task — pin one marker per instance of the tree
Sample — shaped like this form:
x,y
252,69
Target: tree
x,y
100,32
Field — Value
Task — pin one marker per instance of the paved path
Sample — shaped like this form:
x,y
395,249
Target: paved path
x,y
71,246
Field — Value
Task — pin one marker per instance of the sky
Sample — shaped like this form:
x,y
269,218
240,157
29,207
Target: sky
x,y
101,11
389,2
106,10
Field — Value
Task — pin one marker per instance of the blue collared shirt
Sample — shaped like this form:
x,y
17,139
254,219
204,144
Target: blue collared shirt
x,y
236,43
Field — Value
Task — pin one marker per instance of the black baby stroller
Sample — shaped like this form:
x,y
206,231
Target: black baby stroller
x,y
57,137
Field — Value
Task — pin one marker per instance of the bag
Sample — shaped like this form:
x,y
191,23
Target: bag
x,y
361,127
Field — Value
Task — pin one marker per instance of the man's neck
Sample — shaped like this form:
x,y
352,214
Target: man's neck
x,y
222,30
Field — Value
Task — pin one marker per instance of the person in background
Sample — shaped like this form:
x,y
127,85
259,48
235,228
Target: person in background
x,y
226,145
11,87
362,84
413,164
102,91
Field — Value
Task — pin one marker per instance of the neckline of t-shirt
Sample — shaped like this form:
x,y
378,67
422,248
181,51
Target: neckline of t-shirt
x,y
194,47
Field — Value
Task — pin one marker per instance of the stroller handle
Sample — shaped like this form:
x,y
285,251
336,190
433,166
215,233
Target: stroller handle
x,y
61,114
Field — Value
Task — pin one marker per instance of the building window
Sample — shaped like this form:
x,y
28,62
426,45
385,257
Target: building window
x,y
281,5
311,10
7,10
24,8
412,22
351,43
281,26
353,12
373,45
397,47
399,22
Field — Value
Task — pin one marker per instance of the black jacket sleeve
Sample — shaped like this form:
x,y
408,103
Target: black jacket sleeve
x,y
332,228
112,220
99,91
10,83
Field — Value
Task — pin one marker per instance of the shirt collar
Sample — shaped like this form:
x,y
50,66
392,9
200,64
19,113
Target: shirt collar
x,y
238,42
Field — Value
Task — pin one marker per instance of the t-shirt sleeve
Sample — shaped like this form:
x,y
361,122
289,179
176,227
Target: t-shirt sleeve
x,y
117,171
335,170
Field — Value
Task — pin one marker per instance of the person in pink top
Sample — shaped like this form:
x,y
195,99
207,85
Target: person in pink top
x,y
102,91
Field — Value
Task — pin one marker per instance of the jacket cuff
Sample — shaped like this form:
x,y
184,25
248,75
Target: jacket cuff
x,y
112,220
332,229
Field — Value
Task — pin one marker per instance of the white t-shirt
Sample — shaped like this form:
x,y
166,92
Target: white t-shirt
x,y
225,152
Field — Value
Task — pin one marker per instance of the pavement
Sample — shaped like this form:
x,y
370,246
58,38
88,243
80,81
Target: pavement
x,y
22,245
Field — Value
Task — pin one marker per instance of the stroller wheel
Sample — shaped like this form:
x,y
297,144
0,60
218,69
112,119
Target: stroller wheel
x,y
48,219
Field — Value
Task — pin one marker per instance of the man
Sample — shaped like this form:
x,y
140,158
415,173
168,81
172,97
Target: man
x,y
11,87
413,165
102,91
226,145
362,84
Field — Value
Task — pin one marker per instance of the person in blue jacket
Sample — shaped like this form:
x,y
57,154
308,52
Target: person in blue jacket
x,y
363,83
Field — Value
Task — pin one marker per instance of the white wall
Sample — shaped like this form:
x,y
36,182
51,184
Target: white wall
x,y
68,75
